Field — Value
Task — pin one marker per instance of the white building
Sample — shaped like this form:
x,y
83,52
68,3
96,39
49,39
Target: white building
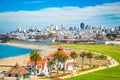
x,y
69,64
19,29
41,68
112,42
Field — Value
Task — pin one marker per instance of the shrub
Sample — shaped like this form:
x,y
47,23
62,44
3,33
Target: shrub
x,y
100,57
93,67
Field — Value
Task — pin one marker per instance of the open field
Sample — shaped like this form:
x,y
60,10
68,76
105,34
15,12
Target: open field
x,y
107,74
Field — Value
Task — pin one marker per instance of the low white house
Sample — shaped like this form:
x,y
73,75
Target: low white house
x,y
69,64
112,42
16,72
107,42
41,68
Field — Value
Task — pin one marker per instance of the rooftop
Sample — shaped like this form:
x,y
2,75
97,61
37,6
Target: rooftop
x,y
40,64
17,70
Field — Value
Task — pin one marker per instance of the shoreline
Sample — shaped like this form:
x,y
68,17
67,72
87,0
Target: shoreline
x,y
23,59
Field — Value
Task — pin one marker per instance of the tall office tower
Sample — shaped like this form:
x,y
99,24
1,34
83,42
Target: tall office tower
x,y
82,26
56,28
119,28
87,26
51,27
62,27
75,28
19,29
70,28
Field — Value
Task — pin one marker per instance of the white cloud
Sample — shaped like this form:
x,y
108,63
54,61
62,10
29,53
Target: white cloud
x,y
70,16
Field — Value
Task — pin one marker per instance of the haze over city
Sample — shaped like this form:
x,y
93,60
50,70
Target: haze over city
x,y
42,13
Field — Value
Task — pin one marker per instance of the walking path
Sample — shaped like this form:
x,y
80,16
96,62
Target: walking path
x,y
89,71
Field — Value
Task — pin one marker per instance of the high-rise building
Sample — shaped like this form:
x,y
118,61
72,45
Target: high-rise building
x,y
82,26
62,27
51,27
119,28
56,28
75,28
19,29
87,26
70,28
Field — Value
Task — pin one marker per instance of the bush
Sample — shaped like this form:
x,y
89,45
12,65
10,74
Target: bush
x,y
93,67
100,57
17,79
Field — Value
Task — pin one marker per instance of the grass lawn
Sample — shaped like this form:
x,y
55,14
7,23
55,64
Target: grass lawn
x,y
106,74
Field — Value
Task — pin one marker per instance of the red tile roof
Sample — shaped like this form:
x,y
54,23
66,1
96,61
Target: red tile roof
x,y
65,53
49,56
59,49
39,63
69,63
17,70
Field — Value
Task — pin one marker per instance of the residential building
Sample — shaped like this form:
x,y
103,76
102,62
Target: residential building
x,y
69,63
16,72
41,68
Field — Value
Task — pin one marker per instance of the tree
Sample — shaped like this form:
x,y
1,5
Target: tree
x,y
74,56
108,35
82,55
90,56
57,56
50,63
5,38
35,56
114,35
63,59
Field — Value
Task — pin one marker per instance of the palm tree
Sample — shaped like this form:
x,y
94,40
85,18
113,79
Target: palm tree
x,y
35,56
82,55
90,56
50,63
57,56
63,59
74,56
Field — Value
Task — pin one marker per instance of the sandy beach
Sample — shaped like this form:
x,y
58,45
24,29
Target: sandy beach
x,y
23,59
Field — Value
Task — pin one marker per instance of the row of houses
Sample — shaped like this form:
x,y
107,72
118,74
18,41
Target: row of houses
x,y
42,68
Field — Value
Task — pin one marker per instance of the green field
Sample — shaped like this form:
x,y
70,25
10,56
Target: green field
x,y
106,74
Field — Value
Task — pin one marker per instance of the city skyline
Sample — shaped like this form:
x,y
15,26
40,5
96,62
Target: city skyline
x,y
42,13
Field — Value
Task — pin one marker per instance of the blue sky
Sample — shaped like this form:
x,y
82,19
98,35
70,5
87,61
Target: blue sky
x,y
16,5
42,13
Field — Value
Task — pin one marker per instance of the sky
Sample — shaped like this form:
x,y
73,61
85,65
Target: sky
x,y
42,13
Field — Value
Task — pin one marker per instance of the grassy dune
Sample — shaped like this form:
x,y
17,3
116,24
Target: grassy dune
x,y
107,74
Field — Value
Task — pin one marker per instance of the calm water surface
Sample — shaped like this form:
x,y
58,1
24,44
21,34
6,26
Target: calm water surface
x,y
10,51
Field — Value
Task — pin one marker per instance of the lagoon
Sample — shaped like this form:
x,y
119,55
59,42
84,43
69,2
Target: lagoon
x,y
11,51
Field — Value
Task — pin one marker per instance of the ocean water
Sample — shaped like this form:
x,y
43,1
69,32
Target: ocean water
x,y
10,51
